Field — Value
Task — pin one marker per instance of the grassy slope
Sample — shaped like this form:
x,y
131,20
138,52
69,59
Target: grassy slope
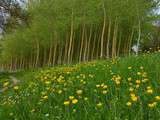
x,y
101,88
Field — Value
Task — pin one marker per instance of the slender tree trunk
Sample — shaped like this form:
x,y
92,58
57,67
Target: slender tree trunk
x,y
71,39
119,44
94,45
130,41
82,42
139,36
89,42
108,38
38,53
85,47
103,31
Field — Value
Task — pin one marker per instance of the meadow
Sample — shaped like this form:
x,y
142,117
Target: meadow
x,y
116,89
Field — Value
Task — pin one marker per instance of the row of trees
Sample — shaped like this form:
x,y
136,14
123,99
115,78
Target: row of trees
x,y
67,31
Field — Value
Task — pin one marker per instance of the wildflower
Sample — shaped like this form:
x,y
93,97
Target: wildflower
x,y
45,97
105,86
128,103
74,101
138,81
47,82
141,67
134,98
151,105
47,115
79,92
157,98
139,73
15,87
66,103
104,91
97,86
59,91
71,97
99,104
145,80
129,79
33,110
131,89
85,98
117,82
149,91
129,68
137,86
5,84
74,110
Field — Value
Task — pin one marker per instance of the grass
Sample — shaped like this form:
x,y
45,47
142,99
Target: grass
x,y
117,89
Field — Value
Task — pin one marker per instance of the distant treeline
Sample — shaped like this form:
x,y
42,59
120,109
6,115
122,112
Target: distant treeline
x,y
67,31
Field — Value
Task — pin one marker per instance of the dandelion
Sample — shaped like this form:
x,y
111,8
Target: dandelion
x,y
134,98
99,104
85,98
79,92
151,105
74,101
138,81
45,97
71,97
105,87
15,87
66,103
97,86
129,79
104,91
5,84
131,89
129,68
139,73
129,104
157,98
149,91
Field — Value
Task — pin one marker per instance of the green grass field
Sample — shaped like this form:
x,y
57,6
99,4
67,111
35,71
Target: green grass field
x,y
117,89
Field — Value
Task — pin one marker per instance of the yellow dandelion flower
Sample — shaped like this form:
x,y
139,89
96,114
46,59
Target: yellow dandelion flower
x,y
131,89
151,105
129,79
138,81
99,104
71,97
129,67
15,87
45,97
85,98
134,98
74,101
157,98
150,91
137,86
104,92
66,103
97,86
139,73
79,92
128,103
59,91
5,84
105,87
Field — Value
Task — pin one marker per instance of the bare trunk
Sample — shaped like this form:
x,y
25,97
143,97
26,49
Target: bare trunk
x,y
71,39
108,39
